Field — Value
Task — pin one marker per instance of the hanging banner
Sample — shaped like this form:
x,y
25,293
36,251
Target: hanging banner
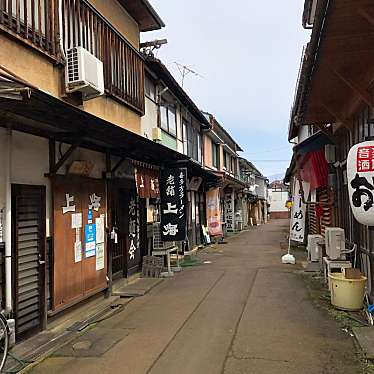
x,y
173,204
360,175
134,229
213,212
147,183
297,227
229,211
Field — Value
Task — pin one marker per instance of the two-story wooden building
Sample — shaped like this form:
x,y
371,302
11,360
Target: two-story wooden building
x,y
71,102
173,120
221,157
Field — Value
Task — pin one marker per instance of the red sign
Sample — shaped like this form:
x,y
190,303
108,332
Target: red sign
x,y
365,159
147,183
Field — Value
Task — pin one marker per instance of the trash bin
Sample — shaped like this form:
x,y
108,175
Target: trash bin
x,y
347,294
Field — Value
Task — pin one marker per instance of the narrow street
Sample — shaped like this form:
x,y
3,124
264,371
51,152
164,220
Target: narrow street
x,y
242,313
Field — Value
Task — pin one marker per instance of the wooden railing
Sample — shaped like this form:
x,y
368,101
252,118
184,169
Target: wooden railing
x,y
33,21
123,65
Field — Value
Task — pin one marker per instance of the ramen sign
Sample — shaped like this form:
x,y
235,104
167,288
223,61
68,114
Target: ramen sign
x,y
360,174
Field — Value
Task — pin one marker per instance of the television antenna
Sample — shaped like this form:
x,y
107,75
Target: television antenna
x,y
185,70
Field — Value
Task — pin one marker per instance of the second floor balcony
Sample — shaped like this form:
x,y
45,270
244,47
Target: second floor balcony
x,y
53,30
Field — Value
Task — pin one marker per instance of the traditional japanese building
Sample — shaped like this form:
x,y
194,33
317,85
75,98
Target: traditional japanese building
x,y
76,172
333,112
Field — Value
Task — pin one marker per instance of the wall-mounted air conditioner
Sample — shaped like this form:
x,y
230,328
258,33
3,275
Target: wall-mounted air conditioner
x,y
156,134
84,73
314,249
335,243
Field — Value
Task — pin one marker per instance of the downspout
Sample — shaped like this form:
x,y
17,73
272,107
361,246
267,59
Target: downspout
x,y
60,24
8,222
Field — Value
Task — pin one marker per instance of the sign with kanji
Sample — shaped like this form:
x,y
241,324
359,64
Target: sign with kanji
x,y
173,204
134,228
298,214
360,174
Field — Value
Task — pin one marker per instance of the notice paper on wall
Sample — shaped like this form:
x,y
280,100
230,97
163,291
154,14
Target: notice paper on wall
x,y
76,220
78,251
100,230
100,256
90,240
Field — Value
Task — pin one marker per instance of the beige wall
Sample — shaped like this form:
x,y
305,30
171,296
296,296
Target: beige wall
x,y
119,18
115,112
30,65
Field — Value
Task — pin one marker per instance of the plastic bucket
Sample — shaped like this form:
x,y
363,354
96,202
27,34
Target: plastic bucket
x,y
347,294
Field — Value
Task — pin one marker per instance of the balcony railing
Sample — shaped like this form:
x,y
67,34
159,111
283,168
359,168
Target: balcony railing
x,y
123,65
33,21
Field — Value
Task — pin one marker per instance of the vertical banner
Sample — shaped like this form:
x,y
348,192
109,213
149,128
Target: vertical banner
x,y
134,228
229,212
173,204
213,212
360,174
297,227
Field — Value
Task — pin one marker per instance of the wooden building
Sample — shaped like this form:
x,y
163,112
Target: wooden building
x,y
333,111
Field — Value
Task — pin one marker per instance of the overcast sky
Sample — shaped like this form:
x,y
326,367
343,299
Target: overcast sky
x,y
248,54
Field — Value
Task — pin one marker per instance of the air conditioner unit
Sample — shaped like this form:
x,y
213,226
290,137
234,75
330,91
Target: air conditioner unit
x,y
335,243
313,247
84,73
156,134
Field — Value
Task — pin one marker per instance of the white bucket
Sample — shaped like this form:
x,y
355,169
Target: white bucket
x,y
347,294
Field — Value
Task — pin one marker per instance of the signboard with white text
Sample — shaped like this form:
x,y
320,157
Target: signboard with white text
x,y
300,195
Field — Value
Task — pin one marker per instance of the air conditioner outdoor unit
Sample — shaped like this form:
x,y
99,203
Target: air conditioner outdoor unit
x,y
314,242
335,243
84,73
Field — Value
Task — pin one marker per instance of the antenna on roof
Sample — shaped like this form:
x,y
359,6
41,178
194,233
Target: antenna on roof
x,y
185,70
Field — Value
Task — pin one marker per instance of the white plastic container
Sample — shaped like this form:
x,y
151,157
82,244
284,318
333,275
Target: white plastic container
x,y
347,294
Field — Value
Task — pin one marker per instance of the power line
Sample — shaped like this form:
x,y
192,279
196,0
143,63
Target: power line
x,y
269,150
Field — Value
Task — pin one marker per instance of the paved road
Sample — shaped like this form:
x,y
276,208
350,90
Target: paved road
x,y
242,313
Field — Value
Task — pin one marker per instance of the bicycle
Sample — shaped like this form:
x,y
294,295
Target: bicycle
x,y
4,340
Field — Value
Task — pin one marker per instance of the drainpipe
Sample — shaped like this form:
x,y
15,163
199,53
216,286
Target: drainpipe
x,y
61,26
8,223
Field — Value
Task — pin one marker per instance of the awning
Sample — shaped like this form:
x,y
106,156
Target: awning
x,y
38,113
314,143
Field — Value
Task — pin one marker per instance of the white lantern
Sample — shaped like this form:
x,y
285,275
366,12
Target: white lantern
x,y
360,174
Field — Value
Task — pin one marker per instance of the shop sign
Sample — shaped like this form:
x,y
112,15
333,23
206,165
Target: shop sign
x,y
134,223
147,183
173,204
360,174
213,212
229,211
298,215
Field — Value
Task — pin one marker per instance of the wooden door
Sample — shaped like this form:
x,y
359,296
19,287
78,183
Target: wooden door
x,y
28,252
76,277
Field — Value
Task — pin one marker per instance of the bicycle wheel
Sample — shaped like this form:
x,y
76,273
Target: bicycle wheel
x,y
4,341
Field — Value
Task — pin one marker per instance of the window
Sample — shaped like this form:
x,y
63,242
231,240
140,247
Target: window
x,y
199,153
185,142
225,164
233,168
150,89
172,120
164,118
168,119
215,155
